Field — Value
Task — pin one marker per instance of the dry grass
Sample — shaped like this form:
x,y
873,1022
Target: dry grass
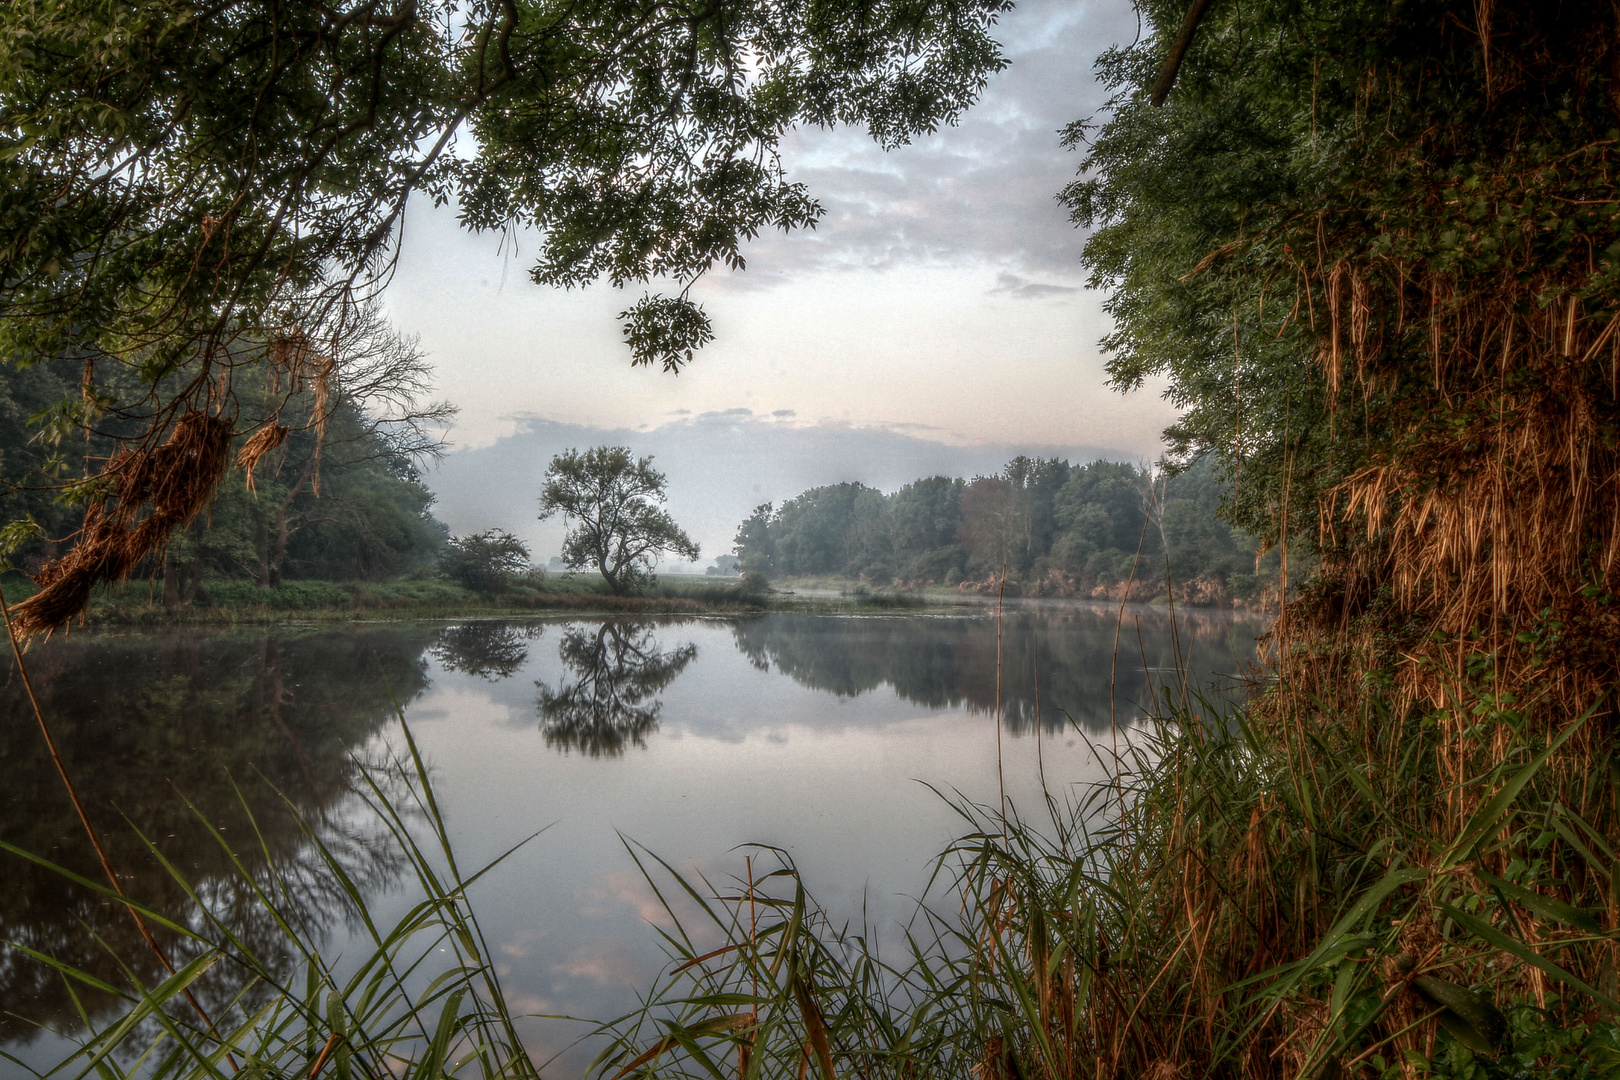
x,y
155,490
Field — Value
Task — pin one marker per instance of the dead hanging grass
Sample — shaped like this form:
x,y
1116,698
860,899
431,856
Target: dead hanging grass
x,y
262,442
298,367
1486,516
154,491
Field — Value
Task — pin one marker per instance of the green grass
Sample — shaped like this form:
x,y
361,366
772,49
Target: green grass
x,y
1244,901
234,601
237,601
1274,892
1285,891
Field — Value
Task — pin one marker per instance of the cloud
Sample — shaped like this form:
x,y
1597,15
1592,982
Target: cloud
x,y
981,190
610,963
522,943
1020,288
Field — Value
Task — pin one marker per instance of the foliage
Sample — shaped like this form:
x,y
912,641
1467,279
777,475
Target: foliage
x,y
340,500
1098,529
483,561
194,196
1234,901
302,1012
1374,251
610,501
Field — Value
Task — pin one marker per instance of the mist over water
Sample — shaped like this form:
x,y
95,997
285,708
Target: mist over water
x,y
831,737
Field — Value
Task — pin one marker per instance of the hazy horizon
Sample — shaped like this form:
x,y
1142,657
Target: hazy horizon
x,y
720,466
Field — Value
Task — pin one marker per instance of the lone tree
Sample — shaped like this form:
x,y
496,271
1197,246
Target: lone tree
x,y
611,502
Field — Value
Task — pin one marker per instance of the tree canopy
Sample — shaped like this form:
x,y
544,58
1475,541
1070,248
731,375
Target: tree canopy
x,y
616,525
189,191
1102,529
1374,249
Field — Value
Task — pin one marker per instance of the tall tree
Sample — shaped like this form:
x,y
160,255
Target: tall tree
x,y
611,504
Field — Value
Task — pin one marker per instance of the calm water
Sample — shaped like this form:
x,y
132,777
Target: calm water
x,y
815,733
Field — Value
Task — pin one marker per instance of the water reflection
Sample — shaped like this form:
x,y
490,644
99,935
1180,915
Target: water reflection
x,y
489,650
618,668
791,729
262,725
1076,662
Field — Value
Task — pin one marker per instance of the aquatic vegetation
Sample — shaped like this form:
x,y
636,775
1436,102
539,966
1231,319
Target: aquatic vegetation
x,y
1261,893
423,1000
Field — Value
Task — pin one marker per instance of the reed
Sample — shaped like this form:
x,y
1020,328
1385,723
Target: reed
x,y
1268,892
1286,889
422,1001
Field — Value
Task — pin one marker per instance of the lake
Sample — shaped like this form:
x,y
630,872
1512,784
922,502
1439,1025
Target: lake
x,y
837,738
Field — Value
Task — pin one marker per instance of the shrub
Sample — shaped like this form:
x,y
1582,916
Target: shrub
x,y
484,561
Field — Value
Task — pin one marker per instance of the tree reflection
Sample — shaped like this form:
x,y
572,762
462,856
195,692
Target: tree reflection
x,y
489,650
618,669
1092,666
257,732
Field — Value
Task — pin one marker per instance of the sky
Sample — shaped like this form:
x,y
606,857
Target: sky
x,y
936,319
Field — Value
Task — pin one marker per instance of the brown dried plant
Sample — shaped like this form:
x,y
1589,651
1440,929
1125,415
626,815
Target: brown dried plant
x,y
153,491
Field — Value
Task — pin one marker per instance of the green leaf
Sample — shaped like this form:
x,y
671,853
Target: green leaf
x,y
1469,1018
1489,818
1488,933
1545,906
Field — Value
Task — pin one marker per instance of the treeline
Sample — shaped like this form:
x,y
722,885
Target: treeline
x,y
1102,529
339,500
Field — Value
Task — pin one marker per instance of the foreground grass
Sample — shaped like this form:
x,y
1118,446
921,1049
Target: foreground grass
x,y
1246,901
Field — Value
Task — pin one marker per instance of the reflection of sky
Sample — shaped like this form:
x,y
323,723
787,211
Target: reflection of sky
x,y
742,755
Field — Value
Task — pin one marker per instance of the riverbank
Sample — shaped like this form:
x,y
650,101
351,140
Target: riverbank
x,y
241,603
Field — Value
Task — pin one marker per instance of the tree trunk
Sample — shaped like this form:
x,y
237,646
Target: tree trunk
x,y
171,581
611,577
261,549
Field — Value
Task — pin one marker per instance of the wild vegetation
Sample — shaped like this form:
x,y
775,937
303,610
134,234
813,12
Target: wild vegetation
x,y
200,204
337,497
1373,249
1104,529
612,503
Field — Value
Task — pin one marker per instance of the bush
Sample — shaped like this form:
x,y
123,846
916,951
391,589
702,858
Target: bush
x,y
484,562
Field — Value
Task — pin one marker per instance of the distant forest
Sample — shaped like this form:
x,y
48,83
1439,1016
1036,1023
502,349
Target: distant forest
x,y
1100,530
339,503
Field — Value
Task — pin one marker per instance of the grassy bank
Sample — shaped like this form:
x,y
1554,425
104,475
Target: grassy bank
x,y
236,602
229,602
